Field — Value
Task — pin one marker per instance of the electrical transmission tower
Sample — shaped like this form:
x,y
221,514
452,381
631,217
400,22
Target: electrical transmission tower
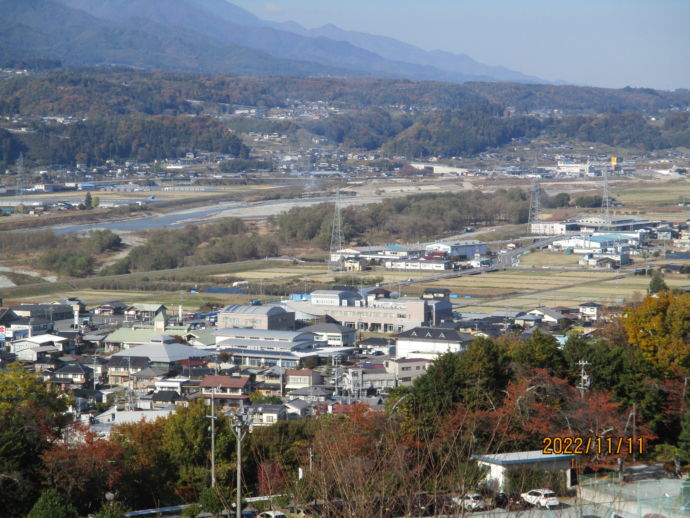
x,y
335,260
534,206
20,177
606,199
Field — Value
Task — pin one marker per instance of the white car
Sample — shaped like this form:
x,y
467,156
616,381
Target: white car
x,y
470,502
272,514
541,498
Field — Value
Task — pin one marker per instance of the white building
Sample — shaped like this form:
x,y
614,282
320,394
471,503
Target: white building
x,y
500,463
417,264
430,342
553,228
467,249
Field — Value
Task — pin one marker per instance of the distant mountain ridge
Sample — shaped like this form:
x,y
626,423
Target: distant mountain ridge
x,y
217,36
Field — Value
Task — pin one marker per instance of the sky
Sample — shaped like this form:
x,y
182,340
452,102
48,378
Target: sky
x,y
608,43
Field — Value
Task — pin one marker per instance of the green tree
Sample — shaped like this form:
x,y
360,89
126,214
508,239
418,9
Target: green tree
x,y
88,201
31,417
657,283
541,351
211,501
52,505
684,438
111,510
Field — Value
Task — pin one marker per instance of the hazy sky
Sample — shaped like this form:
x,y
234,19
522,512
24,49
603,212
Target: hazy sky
x,y
612,43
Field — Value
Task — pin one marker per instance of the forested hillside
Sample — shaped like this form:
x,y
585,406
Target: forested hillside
x,y
135,115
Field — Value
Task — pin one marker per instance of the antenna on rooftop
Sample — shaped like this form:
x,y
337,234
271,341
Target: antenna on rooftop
x,y
336,236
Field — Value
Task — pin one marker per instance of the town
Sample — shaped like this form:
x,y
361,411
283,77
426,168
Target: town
x,y
273,284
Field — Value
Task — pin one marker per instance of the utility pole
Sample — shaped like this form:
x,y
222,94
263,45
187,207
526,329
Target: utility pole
x,y
241,422
584,378
212,417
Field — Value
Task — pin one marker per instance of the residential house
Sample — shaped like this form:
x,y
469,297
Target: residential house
x,y
267,415
121,368
297,379
38,354
368,379
354,264
58,342
228,390
406,370
143,311
297,408
180,384
270,382
147,378
71,376
436,293
590,311
312,394
110,309
550,316
165,399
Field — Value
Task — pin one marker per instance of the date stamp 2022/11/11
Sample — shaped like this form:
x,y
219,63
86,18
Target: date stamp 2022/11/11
x,y
593,445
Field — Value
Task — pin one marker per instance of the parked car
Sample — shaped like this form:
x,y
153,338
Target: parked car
x,y
470,502
272,514
541,498
510,501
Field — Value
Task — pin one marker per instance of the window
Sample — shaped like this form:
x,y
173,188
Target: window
x,y
406,369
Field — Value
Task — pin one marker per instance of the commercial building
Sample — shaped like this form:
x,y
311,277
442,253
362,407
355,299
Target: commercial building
x,y
257,317
429,342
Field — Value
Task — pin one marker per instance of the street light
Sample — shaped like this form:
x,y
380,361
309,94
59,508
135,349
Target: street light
x,y
241,423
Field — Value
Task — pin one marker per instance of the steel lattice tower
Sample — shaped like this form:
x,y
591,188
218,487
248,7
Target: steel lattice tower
x,y
534,205
20,176
336,235
606,199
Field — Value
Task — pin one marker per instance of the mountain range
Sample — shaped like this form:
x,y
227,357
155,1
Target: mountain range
x,y
219,37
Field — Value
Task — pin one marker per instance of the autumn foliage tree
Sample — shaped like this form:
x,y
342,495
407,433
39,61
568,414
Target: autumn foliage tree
x,y
31,417
84,467
659,328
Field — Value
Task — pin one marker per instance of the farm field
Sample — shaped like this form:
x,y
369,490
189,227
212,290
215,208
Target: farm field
x,y
555,289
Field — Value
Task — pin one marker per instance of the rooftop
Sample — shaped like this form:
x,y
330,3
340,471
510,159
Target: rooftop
x,y
520,457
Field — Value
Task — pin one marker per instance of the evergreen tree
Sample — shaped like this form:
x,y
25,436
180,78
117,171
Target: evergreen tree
x,y
88,201
684,438
52,505
657,283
